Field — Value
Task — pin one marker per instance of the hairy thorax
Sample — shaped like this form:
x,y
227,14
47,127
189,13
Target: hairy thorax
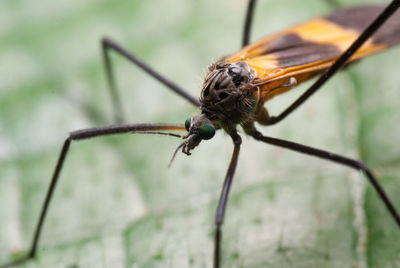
x,y
227,96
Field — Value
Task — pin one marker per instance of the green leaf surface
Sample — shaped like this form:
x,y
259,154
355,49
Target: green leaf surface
x,y
117,203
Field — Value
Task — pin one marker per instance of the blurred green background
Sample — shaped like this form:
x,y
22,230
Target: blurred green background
x,y
118,204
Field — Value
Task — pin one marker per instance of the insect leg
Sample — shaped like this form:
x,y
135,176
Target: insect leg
x,y
339,63
107,46
247,22
355,164
219,217
82,135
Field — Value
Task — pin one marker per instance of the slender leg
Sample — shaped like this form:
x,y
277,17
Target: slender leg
x,y
219,217
339,63
82,135
355,164
107,45
247,22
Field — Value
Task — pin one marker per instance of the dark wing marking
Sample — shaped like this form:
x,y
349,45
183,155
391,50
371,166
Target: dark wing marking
x,y
358,18
300,52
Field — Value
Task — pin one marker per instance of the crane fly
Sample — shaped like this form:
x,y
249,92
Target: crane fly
x,y
237,86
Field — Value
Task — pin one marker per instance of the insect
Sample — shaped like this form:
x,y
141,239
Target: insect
x,y
206,133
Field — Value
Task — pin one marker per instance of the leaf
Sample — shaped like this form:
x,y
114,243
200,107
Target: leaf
x,y
118,205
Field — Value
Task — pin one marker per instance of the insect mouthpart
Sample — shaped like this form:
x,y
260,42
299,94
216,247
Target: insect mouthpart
x,y
199,128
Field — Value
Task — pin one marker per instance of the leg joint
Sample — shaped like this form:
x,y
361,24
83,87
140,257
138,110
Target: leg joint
x,y
237,140
105,41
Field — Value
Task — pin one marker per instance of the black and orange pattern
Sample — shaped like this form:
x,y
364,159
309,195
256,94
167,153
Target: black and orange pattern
x,y
305,50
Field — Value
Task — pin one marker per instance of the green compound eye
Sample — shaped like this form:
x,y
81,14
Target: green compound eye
x,y
206,132
187,123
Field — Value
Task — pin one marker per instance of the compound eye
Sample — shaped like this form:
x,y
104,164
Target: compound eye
x,y
206,132
187,123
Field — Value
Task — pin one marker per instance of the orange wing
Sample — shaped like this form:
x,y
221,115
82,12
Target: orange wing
x,y
308,49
